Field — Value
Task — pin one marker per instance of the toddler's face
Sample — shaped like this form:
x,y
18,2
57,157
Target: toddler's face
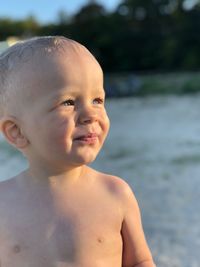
x,y
66,123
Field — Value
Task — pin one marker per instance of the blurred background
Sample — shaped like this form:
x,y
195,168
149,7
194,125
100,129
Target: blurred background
x,y
150,54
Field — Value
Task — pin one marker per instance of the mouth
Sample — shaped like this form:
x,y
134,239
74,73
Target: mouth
x,y
90,138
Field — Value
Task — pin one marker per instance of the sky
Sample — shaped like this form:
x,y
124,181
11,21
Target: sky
x,y
46,11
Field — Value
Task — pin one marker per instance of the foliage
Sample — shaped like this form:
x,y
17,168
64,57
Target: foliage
x,y
139,35
169,83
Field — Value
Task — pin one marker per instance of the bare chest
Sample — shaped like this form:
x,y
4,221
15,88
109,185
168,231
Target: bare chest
x,y
72,235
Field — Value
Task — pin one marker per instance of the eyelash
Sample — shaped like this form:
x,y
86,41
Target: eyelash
x,y
99,100
70,102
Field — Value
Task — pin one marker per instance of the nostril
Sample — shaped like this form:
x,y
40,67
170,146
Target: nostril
x,y
85,118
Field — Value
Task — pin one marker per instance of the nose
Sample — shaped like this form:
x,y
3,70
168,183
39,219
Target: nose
x,y
87,115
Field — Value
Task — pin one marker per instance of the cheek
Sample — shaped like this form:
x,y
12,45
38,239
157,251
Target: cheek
x,y
105,124
107,121
62,131
59,130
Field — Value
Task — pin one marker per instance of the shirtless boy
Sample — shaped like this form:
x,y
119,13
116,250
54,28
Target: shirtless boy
x,y
60,212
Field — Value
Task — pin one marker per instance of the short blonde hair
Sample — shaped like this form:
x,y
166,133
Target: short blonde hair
x,y
12,60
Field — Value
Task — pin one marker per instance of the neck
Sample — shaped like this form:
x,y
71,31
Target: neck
x,y
47,178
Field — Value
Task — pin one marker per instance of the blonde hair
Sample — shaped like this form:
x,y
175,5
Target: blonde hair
x,y
12,60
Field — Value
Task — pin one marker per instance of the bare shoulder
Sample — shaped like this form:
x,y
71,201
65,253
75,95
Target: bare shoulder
x,y
135,248
9,195
116,185
9,187
7,203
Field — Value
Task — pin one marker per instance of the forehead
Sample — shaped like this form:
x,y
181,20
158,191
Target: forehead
x,y
72,68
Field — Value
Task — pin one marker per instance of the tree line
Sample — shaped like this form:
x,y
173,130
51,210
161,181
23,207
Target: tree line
x,y
139,35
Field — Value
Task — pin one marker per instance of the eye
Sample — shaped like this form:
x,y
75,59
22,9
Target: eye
x,y
68,102
98,100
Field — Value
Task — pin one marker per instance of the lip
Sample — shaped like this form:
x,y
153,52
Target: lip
x,y
89,138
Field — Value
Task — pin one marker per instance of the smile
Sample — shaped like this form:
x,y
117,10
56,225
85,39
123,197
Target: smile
x,y
90,138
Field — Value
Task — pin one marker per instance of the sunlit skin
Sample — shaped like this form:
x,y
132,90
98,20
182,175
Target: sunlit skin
x,y
60,212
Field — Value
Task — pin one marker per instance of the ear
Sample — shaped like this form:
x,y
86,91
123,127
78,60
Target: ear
x,y
10,128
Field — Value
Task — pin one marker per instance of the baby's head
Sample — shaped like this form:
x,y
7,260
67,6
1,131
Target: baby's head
x,y
52,101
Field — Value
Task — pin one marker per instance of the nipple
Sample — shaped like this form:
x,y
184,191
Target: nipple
x,y
16,249
100,239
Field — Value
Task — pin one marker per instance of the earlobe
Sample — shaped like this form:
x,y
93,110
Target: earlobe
x,y
12,132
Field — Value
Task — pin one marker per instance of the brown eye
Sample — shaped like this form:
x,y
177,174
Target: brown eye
x,y
68,102
98,101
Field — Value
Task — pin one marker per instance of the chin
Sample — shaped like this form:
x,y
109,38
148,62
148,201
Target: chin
x,y
85,155
85,159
